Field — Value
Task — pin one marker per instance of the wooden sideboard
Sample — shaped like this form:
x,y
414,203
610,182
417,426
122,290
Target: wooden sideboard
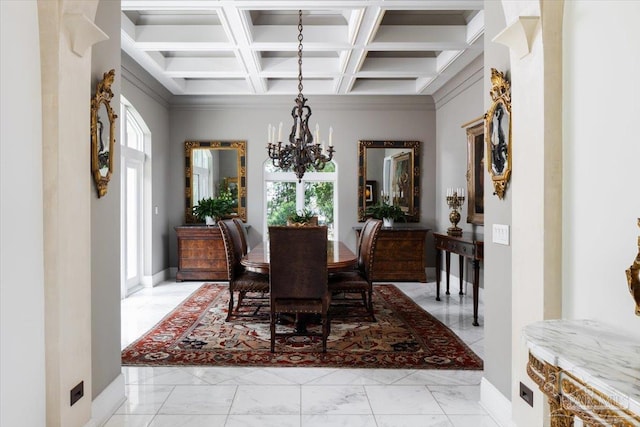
x,y
201,254
400,254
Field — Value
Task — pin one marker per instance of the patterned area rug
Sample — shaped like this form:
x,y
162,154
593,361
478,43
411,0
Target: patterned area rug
x,y
405,336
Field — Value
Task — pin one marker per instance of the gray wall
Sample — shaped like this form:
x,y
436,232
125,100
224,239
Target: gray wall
x,y
497,258
352,118
458,102
105,221
150,100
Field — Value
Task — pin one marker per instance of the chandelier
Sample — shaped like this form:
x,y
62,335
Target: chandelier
x,y
301,153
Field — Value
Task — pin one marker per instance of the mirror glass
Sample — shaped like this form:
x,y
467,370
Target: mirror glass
x,y
392,168
103,131
212,166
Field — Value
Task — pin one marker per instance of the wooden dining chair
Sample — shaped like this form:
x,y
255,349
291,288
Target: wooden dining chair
x,y
298,276
361,279
240,280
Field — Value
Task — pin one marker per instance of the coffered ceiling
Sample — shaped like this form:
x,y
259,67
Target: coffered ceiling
x,y
244,47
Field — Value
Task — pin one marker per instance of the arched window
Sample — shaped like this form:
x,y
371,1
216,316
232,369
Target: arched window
x,y
135,197
317,192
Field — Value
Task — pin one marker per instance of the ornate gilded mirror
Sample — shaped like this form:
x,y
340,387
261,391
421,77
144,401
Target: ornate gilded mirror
x,y
211,166
103,125
498,133
392,168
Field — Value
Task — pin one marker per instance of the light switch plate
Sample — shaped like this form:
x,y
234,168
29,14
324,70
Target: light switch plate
x,y
501,234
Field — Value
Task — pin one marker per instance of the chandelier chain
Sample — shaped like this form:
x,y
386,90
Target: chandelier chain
x,y
300,53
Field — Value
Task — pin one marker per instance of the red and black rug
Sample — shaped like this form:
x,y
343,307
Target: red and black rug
x,y
405,336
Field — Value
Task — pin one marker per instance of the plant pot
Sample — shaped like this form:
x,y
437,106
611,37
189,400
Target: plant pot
x,y
387,222
210,220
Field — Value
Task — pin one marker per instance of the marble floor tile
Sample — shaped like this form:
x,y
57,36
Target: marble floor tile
x,y
129,420
189,420
263,421
338,421
144,399
441,377
264,399
458,399
199,399
402,399
335,400
473,421
413,421
362,377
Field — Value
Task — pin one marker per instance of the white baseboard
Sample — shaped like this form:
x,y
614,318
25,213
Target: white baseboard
x,y
159,277
106,403
495,403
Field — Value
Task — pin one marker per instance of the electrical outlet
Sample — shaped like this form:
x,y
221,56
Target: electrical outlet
x,y
77,392
501,234
526,394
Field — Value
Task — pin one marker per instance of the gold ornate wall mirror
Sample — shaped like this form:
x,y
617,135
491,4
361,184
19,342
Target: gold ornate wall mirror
x,y
633,277
211,166
103,125
498,133
392,168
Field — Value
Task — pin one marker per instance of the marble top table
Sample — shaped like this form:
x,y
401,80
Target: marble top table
x,y
588,353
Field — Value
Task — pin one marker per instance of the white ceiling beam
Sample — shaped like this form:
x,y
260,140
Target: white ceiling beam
x,y
312,34
309,65
203,67
214,87
171,34
434,34
401,66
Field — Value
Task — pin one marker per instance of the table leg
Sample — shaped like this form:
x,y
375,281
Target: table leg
x,y
438,272
448,262
461,260
476,285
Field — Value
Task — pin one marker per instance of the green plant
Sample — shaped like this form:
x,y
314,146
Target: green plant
x,y
215,207
301,217
385,210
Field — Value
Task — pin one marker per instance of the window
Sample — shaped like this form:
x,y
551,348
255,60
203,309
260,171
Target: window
x,y
134,168
318,192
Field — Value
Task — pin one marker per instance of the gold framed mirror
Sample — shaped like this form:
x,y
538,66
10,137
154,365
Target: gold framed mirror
x,y
103,126
475,174
498,133
393,168
211,166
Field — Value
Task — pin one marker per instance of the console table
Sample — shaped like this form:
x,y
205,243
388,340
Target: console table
x,y
587,370
201,253
400,253
466,246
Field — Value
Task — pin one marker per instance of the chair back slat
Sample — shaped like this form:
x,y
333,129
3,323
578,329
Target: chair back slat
x,y
298,262
368,240
232,239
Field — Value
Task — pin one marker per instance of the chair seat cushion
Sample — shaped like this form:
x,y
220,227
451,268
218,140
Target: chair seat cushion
x,y
251,282
349,281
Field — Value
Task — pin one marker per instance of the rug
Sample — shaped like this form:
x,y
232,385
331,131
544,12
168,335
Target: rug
x,y
404,336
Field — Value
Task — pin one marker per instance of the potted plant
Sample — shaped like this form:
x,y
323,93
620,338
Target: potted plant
x,y
386,212
303,217
212,209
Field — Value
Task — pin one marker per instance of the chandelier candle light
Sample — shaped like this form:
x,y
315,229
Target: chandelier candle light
x,y
455,199
301,153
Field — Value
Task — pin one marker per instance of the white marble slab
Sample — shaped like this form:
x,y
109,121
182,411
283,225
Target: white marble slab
x,y
594,353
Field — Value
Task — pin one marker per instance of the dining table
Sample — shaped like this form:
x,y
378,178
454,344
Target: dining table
x,y
339,258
